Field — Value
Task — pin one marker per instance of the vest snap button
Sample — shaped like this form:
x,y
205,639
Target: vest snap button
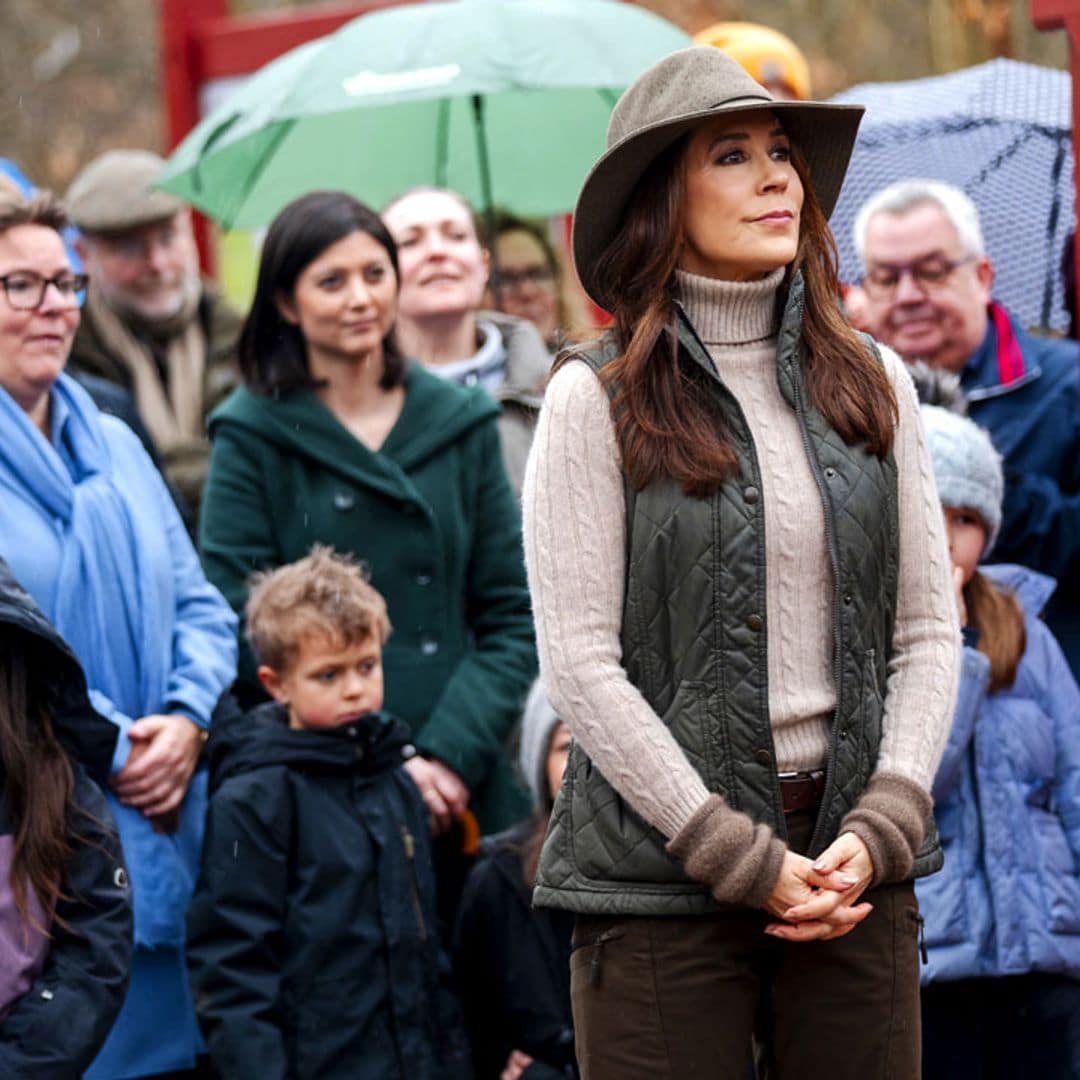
x,y
843,733
755,622
830,472
344,500
848,598
750,494
763,757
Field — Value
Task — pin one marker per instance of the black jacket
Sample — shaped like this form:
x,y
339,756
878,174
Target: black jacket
x,y
55,1029
312,943
513,967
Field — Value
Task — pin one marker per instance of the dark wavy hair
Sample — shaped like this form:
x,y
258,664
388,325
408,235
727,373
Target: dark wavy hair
x,y
667,423
272,352
37,778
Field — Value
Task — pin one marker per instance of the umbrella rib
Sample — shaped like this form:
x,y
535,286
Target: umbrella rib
x,y
264,161
442,143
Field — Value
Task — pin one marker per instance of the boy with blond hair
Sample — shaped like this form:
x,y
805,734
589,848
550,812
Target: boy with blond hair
x,y
312,941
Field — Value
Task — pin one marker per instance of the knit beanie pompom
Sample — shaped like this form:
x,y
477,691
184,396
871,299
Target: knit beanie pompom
x,y
967,468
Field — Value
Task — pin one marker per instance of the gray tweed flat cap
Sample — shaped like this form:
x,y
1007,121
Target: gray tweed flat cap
x,y
113,193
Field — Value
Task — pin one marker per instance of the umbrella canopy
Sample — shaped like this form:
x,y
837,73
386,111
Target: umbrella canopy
x,y
1000,132
506,101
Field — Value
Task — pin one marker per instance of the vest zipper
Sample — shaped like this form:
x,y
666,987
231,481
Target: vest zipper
x,y
409,844
834,561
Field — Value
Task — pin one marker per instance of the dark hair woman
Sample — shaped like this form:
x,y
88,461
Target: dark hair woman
x,y
90,531
65,909
743,605
336,439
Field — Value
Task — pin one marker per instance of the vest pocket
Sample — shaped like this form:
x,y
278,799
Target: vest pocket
x,y
611,842
871,708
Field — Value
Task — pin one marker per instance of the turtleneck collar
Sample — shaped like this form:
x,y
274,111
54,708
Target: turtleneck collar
x,y
731,313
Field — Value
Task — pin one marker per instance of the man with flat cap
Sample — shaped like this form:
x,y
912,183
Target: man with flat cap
x,y
150,323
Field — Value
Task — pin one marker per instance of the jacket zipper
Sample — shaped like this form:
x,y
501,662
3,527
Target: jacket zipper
x,y
409,845
834,561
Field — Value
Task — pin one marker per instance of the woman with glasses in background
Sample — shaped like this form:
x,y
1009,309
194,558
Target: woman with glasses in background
x,y
89,530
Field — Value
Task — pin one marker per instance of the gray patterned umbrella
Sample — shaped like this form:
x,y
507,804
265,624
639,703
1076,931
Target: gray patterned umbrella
x,y
1000,132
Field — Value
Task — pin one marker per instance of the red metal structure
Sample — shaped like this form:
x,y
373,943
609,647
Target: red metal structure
x,y
1065,15
201,42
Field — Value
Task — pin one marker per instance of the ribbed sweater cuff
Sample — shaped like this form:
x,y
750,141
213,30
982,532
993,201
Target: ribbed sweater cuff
x,y
890,818
738,859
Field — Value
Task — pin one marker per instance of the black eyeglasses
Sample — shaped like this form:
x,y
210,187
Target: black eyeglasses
x,y
929,273
25,290
509,280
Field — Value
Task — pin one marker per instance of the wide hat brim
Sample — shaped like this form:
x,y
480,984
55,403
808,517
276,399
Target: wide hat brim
x,y
825,135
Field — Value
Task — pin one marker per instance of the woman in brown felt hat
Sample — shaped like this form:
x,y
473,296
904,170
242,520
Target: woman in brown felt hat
x,y
743,604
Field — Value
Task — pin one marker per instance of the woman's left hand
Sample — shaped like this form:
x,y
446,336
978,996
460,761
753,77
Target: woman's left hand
x,y
830,914
165,750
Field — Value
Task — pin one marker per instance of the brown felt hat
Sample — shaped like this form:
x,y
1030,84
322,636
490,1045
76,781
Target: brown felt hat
x,y
674,96
113,193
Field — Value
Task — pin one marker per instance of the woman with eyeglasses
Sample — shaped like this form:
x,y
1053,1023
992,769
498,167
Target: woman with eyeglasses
x,y
90,531
444,275
530,280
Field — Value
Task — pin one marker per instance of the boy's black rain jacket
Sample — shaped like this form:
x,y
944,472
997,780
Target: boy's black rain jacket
x,y
312,943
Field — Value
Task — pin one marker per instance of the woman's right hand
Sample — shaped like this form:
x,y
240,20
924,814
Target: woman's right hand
x,y
443,791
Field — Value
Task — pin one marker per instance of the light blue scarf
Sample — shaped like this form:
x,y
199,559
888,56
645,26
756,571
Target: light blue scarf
x,y
117,613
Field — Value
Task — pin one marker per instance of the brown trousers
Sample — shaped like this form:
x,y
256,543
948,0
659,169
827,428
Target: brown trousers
x,y
684,997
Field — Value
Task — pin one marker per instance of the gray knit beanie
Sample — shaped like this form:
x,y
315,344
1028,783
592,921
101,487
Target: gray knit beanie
x,y
537,726
967,468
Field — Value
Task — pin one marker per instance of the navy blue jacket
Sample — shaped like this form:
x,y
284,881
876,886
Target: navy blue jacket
x,y
1007,803
1030,404
312,938
57,1026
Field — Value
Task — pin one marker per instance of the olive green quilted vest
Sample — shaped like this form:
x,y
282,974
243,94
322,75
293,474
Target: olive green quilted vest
x,y
694,640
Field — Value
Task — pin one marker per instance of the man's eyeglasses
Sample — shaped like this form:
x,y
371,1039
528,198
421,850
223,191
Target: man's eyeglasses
x,y
25,290
930,273
510,280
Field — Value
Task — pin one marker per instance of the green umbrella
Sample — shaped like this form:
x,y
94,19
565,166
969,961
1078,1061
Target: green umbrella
x,y
506,101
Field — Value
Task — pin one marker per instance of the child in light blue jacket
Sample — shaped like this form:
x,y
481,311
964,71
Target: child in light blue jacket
x,y
1001,994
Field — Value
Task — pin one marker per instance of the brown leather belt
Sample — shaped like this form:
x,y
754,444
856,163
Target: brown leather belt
x,y
802,790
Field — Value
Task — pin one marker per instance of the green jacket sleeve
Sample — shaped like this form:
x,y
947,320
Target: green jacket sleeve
x,y
237,535
483,697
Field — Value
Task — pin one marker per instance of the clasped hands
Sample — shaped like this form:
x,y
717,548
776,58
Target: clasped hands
x,y
154,780
817,900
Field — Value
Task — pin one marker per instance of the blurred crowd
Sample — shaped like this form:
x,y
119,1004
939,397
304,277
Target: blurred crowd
x,y
276,761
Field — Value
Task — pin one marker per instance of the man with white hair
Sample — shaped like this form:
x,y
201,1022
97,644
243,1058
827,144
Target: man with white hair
x,y
927,284
150,324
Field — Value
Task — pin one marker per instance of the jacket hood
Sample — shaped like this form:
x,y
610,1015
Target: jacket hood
x,y
527,359
1032,589
261,738
84,733
436,413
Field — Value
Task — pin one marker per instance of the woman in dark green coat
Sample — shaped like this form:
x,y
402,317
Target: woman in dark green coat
x,y
335,438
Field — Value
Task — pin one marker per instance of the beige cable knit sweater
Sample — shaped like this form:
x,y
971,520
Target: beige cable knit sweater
x,y
574,511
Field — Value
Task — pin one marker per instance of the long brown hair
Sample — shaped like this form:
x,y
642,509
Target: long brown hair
x,y
997,616
37,781
667,423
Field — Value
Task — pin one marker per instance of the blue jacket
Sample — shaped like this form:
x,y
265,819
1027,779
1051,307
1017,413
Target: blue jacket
x,y
1024,391
153,636
1007,803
